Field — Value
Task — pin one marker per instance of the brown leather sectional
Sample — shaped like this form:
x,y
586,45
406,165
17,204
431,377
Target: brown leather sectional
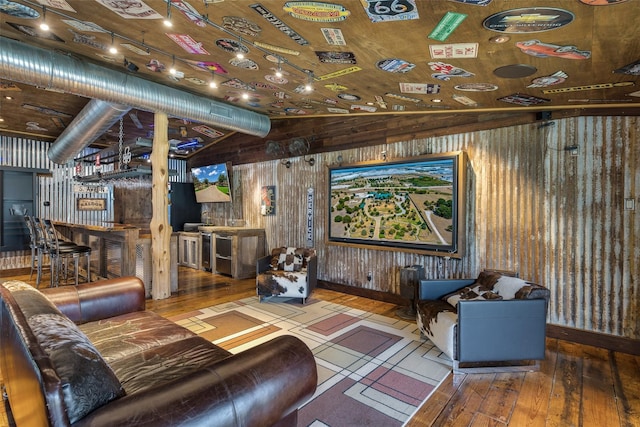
x,y
90,355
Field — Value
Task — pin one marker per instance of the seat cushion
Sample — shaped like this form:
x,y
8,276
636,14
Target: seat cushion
x,y
283,283
438,321
146,350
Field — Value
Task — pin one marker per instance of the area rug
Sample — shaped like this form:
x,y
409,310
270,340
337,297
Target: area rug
x,y
372,370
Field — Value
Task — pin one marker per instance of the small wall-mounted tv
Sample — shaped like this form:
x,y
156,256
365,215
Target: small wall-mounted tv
x,y
414,205
212,183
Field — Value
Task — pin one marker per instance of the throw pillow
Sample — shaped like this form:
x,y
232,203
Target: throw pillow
x,y
87,382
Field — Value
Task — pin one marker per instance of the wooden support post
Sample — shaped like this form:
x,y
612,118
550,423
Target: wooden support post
x,y
160,228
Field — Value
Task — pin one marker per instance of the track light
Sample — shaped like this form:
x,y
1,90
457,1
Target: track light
x,y
112,49
173,70
279,69
309,86
43,25
212,83
167,21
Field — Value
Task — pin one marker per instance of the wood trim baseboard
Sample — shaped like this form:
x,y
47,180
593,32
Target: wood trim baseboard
x,y
365,293
580,336
596,339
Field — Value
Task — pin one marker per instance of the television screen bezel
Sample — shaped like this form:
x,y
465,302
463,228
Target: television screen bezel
x,y
454,248
227,166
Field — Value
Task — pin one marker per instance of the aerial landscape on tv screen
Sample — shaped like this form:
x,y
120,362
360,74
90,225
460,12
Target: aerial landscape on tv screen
x,y
211,183
403,204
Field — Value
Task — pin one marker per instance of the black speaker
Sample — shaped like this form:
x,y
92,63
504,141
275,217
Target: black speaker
x,y
410,277
543,115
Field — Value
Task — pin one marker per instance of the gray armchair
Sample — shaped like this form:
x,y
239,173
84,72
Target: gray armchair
x,y
494,322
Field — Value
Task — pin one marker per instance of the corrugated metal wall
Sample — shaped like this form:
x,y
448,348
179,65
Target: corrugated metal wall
x,y
61,191
533,207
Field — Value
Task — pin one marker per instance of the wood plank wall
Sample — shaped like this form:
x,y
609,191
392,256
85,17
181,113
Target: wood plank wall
x,y
533,207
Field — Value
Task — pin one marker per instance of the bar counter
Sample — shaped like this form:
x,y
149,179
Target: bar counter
x,y
119,250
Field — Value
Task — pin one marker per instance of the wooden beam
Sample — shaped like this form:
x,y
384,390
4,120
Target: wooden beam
x,y
160,229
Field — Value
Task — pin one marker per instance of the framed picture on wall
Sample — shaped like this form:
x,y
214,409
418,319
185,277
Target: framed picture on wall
x,y
268,200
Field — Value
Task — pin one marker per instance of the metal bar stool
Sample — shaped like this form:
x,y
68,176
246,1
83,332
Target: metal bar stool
x,y
61,252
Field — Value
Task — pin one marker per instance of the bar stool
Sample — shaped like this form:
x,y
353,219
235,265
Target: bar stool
x,y
61,252
35,248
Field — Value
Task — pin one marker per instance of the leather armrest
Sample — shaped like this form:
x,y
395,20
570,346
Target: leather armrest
x,y
436,289
501,330
263,264
99,300
256,387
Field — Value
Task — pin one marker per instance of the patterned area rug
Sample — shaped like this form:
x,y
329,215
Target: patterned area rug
x,y
372,370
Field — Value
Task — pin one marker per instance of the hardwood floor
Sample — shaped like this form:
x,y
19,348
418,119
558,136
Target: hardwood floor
x,y
577,385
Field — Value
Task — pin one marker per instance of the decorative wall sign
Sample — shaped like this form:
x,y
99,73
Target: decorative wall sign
x,y
57,4
588,87
135,49
131,10
91,204
476,87
474,2
268,200
390,10
402,97
339,73
316,11
348,97
47,111
421,88
631,69
333,36
336,57
524,100
33,32
554,79
155,65
528,20
464,100
278,49
446,71
187,42
241,25
454,50
85,26
542,50
449,22
337,110
190,12
601,2
335,87
310,216
245,63
273,20
209,66
207,131
231,46
367,108
19,11
87,40
394,65
272,78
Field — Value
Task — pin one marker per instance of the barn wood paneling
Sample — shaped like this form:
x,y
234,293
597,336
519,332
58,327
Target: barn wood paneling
x,y
533,207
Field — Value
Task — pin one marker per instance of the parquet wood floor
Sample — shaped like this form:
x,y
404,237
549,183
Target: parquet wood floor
x,y
577,385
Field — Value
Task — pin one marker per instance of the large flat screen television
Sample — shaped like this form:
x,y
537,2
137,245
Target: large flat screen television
x,y
415,204
212,183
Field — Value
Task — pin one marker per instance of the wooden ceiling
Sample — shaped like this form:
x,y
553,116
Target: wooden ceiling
x,y
379,69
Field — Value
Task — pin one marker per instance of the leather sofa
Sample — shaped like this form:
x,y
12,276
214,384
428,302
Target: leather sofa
x,y
489,322
90,355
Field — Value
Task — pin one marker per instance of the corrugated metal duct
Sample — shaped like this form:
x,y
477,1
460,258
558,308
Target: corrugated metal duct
x,y
94,120
43,68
